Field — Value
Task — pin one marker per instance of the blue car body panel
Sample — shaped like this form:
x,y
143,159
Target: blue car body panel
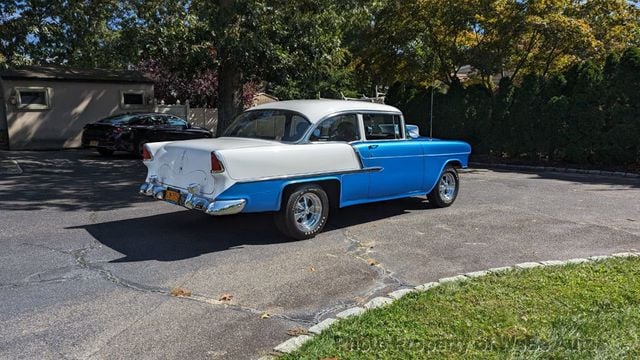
x,y
397,159
392,169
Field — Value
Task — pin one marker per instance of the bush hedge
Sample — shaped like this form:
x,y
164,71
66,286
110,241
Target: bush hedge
x,y
589,114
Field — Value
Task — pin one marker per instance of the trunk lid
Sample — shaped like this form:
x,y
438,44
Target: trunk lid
x,y
180,164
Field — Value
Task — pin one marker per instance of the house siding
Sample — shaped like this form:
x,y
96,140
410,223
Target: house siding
x,y
73,104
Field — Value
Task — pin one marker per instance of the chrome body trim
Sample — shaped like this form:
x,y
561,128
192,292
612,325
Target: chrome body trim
x,y
193,201
321,174
305,138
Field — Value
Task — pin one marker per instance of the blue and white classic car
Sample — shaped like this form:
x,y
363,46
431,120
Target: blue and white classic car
x,y
301,158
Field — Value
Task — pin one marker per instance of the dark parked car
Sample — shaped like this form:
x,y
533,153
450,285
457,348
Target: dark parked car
x,y
129,132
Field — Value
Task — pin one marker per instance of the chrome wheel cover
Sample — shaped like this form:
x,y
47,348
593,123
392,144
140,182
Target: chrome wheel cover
x,y
307,212
447,187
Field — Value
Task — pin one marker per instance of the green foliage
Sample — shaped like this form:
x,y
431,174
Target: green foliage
x,y
589,114
567,312
568,96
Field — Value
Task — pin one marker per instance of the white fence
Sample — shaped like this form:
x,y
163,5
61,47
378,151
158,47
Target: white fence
x,y
206,118
203,117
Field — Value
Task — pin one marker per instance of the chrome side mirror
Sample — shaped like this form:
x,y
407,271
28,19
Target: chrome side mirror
x,y
412,131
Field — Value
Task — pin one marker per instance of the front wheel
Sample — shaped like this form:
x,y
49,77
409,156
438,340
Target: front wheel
x,y
446,190
304,213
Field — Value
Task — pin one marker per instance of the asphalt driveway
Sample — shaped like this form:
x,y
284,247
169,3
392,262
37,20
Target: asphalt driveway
x,y
87,265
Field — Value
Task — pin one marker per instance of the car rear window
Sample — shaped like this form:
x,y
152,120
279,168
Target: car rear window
x,y
279,125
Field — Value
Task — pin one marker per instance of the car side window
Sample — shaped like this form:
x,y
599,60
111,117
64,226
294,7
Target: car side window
x,y
337,128
139,121
176,121
154,120
382,126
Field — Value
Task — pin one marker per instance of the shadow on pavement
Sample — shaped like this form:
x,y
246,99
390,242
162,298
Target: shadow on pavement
x,y
593,179
186,234
578,178
72,180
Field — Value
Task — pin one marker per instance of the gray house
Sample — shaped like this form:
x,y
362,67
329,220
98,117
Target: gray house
x,y
47,107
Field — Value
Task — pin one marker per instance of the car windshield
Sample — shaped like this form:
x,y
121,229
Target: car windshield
x,y
279,125
117,119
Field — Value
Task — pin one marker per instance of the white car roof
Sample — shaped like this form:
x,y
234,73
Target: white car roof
x,y
314,110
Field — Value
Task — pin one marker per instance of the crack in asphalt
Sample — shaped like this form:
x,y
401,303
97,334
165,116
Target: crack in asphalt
x,y
79,256
384,278
359,250
43,281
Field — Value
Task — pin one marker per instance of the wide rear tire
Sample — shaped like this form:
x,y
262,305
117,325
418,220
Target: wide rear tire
x,y
304,212
446,190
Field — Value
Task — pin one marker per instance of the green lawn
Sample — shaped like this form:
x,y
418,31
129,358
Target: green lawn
x,y
581,311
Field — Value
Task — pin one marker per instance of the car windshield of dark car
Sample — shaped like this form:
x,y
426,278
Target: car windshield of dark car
x,y
117,119
279,125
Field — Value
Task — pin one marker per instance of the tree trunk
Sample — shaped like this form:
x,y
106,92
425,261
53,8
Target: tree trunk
x,y
229,95
229,73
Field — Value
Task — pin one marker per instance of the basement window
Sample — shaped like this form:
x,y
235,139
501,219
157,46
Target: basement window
x,y
33,98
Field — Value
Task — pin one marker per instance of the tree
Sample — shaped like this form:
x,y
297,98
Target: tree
x,y
17,21
294,43
61,32
623,129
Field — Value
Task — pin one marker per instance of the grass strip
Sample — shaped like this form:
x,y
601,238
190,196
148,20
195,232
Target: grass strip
x,y
589,310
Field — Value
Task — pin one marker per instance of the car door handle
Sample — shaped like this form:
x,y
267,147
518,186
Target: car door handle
x,y
373,146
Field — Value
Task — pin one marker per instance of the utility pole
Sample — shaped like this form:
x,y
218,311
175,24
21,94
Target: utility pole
x,y
431,115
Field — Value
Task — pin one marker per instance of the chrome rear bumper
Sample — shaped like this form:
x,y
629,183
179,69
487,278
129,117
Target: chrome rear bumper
x,y
192,201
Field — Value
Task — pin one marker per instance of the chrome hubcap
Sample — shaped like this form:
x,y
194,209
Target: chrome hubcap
x,y
307,212
447,187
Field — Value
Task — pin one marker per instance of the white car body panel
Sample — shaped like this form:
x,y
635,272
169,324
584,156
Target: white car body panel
x,y
249,164
181,164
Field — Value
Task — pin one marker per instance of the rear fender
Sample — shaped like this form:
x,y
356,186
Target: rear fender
x,y
268,195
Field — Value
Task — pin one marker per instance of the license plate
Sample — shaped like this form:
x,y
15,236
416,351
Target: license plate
x,y
93,143
173,196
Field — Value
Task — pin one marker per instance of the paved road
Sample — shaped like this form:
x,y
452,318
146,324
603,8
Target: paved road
x,y
86,265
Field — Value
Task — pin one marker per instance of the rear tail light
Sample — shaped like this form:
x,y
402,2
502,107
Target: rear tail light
x,y
216,165
146,154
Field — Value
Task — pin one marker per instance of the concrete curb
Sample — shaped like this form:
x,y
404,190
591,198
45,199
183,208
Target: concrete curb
x,y
554,169
295,343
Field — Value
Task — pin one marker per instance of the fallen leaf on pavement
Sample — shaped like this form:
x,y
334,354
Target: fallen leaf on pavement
x,y
360,300
180,292
265,315
225,297
312,269
297,331
366,244
373,262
